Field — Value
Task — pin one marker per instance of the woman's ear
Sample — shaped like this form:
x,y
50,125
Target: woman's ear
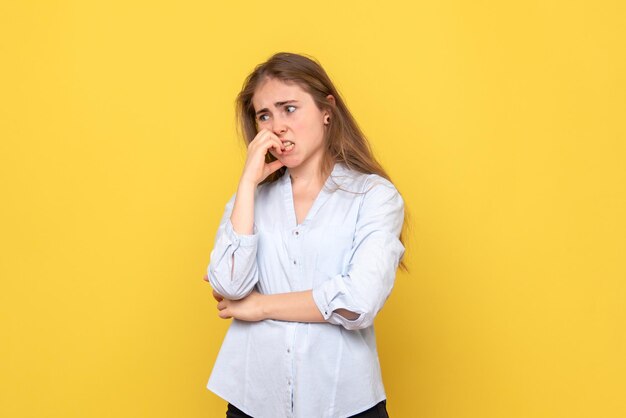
x,y
331,100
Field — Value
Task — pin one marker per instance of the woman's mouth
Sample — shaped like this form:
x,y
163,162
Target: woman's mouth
x,y
288,146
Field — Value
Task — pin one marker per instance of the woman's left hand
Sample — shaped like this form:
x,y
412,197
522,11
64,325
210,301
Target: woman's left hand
x,y
246,309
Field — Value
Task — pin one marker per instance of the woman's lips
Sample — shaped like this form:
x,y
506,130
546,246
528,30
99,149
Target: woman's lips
x,y
288,146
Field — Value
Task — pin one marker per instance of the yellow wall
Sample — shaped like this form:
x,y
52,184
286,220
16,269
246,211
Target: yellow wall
x,y
502,123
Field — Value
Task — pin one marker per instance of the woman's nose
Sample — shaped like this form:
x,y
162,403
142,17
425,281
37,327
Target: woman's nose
x,y
278,125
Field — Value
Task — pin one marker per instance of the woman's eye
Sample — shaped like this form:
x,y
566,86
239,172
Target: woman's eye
x,y
261,118
294,108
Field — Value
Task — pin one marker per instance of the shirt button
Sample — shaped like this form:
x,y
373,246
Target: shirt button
x,y
296,233
289,350
294,262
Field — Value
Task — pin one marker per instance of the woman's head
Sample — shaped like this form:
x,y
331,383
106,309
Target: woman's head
x,y
291,114
342,139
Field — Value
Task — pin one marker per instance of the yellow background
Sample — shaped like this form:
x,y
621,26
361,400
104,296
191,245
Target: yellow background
x,y
502,123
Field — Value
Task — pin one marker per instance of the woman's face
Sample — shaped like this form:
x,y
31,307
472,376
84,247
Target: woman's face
x,y
291,114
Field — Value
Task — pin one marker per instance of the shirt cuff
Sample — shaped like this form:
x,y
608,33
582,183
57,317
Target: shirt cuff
x,y
332,295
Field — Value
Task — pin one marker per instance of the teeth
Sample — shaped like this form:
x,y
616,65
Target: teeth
x,y
287,143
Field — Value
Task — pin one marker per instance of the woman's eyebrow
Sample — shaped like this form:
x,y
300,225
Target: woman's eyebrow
x,y
265,109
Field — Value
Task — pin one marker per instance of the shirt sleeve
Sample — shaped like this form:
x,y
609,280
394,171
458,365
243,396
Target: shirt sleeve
x,y
373,260
232,269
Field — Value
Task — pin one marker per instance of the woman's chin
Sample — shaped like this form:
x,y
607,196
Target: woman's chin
x,y
289,162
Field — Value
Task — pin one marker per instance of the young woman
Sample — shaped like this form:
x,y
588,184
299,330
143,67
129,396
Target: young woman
x,y
305,255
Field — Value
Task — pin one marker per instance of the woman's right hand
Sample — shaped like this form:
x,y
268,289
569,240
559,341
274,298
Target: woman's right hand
x,y
256,169
254,172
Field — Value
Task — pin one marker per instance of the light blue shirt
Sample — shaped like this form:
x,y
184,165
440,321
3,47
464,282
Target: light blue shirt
x,y
347,250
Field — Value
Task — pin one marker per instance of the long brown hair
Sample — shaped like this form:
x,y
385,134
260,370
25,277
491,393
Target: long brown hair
x,y
345,142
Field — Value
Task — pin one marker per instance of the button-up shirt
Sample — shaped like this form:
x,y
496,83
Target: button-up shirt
x,y
347,251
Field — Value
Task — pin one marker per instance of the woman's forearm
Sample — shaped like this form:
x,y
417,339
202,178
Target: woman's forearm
x,y
242,216
296,306
293,307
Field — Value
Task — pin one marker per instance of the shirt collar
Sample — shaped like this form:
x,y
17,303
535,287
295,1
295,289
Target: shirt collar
x,y
338,168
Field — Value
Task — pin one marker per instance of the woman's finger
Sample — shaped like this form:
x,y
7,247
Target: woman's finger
x,y
274,142
224,314
217,296
273,166
266,140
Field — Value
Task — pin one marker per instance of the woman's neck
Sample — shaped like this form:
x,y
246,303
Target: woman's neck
x,y
308,177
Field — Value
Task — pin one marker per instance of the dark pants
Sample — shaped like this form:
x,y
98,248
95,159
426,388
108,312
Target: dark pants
x,y
377,411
